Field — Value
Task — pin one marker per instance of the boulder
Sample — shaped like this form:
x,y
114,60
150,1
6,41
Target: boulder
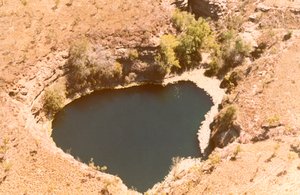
x,y
262,7
208,8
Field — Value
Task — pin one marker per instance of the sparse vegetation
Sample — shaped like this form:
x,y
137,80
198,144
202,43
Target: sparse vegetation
x,y
4,146
214,158
292,155
273,120
234,22
277,146
274,154
236,151
96,167
6,166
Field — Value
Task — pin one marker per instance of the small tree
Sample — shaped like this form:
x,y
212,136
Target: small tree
x,y
184,51
167,58
77,64
53,101
234,53
197,38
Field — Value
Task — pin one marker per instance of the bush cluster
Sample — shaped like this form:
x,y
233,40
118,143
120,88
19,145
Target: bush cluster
x,y
195,36
184,51
53,101
167,57
87,71
232,52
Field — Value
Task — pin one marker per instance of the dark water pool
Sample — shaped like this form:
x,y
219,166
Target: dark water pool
x,y
135,132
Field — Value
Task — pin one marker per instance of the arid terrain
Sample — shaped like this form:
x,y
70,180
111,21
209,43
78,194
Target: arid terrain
x,y
35,38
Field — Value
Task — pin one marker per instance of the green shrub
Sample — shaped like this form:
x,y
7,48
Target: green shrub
x,y
232,52
77,64
167,58
182,19
118,69
214,158
184,51
198,37
236,151
77,52
273,120
227,36
234,22
133,54
53,101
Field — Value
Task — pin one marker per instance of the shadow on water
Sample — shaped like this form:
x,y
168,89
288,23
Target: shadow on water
x,y
135,132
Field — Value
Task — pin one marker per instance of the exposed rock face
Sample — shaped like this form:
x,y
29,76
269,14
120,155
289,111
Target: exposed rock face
x,y
208,8
224,128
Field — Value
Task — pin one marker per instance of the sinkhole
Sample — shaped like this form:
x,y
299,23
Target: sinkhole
x,y
136,131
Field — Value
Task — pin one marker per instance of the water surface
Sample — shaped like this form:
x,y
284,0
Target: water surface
x,y
135,132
